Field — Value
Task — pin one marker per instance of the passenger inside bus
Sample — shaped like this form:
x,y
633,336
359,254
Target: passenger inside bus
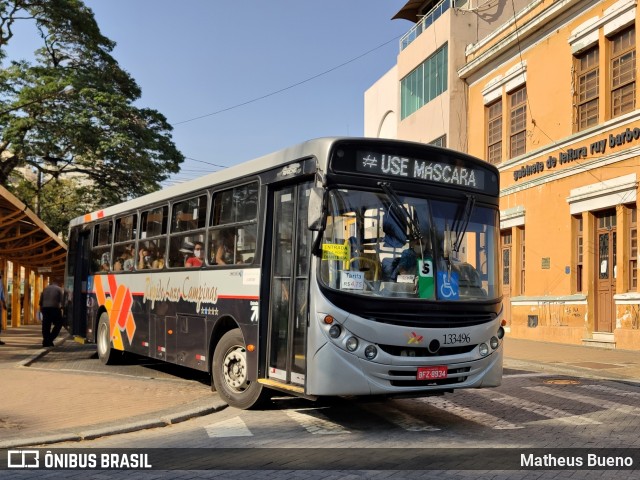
x,y
194,257
144,259
226,246
104,262
128,262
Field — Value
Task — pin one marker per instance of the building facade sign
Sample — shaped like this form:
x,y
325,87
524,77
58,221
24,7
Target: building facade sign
x,y
598,147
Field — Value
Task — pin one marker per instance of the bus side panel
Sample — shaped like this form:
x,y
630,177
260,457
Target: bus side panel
x,y
159,343
171,315
142,338
191,341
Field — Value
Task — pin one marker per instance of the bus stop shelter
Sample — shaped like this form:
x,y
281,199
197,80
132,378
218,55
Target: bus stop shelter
x,y
30,255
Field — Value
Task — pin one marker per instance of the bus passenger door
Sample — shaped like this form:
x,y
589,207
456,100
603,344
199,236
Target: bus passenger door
x,y
77,276
289,285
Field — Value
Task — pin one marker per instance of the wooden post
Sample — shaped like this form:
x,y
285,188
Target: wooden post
x,y
26,300
37,290
15,296
5,281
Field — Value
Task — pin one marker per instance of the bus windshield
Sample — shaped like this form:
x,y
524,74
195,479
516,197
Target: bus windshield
x,y
389,245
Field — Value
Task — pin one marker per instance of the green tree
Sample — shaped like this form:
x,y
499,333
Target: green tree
x,y
64,198
94,130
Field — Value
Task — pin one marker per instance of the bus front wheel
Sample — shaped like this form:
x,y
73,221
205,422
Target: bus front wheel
x,y
230,374
107,354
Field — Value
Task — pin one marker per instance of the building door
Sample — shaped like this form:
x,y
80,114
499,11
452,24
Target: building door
x,y
291,253
505,241
605,270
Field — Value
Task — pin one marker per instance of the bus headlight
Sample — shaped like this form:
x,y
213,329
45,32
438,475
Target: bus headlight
x,y
352,344
370,352
494,342
335,331
483,349
500,332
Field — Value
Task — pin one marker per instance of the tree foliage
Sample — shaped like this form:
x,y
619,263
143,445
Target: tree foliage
x,y
95,130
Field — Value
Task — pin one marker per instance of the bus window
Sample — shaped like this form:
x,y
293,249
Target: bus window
x,y
152,247
189,214
154,222
186,251
101,251
232,245
124,247
232,238
239,204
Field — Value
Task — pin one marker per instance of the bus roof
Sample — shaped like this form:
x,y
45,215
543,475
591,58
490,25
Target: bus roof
x,y
317,147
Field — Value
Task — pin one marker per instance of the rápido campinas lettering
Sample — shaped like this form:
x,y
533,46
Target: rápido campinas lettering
x,y
161,290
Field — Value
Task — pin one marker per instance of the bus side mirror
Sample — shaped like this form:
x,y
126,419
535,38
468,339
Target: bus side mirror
x,y
316,209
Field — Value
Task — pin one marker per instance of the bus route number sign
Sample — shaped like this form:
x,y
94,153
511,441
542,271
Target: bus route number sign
x,y
432,373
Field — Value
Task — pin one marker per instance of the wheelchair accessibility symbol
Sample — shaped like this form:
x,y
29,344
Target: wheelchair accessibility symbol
x,y
448,286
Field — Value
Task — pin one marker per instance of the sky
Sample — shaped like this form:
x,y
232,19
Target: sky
x,y
206,58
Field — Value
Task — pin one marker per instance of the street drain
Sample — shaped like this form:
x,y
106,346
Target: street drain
x,y
562,381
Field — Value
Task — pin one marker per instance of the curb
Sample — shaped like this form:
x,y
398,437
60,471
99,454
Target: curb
x,y
159,419
135,426
41,353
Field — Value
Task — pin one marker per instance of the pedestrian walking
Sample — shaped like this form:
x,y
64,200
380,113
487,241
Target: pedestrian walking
x,y
3,303
51,301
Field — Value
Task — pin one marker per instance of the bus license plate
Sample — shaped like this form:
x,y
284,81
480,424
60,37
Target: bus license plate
x,y
431,373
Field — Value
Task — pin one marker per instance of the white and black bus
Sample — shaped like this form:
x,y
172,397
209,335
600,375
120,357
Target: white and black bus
x,y
340,266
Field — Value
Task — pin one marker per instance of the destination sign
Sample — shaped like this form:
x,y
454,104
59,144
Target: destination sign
x,y
418,169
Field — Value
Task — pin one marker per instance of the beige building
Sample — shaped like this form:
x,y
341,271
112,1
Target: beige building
x,y
547,93
422,98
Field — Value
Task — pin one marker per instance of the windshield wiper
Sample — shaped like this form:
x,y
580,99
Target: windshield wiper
x,y
463,223
400,211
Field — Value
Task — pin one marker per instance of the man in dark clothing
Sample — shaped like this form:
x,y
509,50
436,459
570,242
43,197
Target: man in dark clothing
x,y
51,301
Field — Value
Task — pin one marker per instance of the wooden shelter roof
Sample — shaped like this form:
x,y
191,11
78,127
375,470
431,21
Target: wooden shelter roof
x,y
26,240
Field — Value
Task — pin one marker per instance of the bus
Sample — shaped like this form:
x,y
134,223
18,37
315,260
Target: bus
x,y
339,266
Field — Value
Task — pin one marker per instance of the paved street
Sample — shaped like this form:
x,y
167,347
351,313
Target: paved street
x,y
544,408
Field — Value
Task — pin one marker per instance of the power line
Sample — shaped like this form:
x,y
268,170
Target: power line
x,y
533,121
208,163
302,82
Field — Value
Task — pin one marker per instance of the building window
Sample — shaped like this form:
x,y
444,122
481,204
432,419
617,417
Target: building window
x,y
633,248
518,122
424,83
506,257
587,83
623,72
579,246
439,142
494,132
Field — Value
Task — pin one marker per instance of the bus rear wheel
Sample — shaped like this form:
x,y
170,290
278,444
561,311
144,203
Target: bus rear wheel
x,y
230,374
107,354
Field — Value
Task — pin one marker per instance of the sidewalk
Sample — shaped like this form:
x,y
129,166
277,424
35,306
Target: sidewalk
x,y
66,394
574,360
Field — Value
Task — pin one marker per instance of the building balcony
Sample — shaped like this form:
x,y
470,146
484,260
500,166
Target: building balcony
x,y
424,23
